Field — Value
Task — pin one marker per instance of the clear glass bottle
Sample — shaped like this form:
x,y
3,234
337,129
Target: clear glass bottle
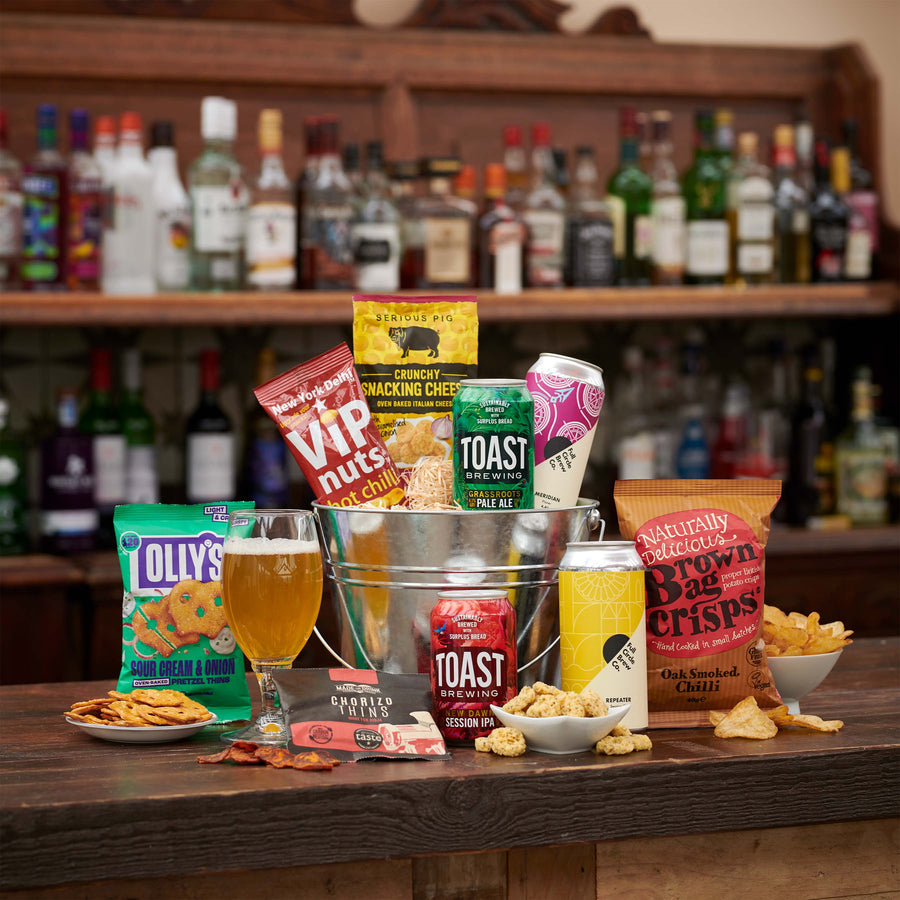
x,y
272,217
218,202
635,445
376,231
516,166
305,181
141,471
84,216
668,206
752,231
10,211
828,222
791,209
545,216
591,236
172,210
501,237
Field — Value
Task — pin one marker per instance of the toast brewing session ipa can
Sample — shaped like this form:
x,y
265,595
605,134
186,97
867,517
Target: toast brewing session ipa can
x,y
602,624
493,444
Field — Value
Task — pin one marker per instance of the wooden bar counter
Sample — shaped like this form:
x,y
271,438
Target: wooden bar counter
x,y
809,814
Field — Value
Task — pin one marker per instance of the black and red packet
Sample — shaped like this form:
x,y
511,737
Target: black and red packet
x,y
360,714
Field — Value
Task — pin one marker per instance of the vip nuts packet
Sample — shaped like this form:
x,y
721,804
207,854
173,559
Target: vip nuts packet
x,y
411,354
703,545
174,630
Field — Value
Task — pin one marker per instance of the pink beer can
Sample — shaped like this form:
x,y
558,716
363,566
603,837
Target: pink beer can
x,y
568,396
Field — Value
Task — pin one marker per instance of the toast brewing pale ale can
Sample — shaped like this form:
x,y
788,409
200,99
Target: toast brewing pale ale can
x,y
568,395
602,624
493,444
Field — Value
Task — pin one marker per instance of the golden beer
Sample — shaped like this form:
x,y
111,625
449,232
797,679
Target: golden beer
x,y
272,590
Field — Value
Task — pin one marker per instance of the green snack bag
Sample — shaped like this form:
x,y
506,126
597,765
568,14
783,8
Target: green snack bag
x,y
174,631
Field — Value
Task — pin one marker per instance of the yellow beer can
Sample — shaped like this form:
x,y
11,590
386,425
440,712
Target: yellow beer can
x,y
602,624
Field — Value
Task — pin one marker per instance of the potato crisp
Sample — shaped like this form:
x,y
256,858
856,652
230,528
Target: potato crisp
x,y
747,720
140,709
797,635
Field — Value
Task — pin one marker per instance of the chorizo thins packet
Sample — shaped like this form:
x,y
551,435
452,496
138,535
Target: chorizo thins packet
x,y
322,413
411,354
359,714
703,545
174,631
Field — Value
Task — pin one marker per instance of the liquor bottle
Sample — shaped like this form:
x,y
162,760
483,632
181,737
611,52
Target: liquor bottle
x,y
448,226
404,178
561,171
84,215
218,202
629,194
376,231
129,258
862,207
10,211
635,448
803,143
591,236
704,193
354,173
752,230
102,422
668,206
791,210
105,148
331,208
828,222
141,472
731,440
272,218
172,208
645,141
68,516
305,181
45,197
808,425
516,167
501,237
545,216
692,455
861,460
663,401
464,185
13,489
210,461
724,143
265,475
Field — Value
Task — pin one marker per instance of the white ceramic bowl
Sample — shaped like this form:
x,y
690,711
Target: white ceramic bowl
x,y
563,734
797,676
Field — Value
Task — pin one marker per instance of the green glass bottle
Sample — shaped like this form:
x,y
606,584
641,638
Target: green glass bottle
x,y
629,195
141,475
13,494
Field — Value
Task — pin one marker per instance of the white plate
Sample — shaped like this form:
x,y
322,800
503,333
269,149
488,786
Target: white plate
x,y
151,734
563,734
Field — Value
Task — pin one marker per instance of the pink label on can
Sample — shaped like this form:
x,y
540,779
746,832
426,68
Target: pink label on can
x,y
565,411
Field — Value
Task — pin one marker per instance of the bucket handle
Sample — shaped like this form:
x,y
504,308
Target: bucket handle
x,y
327,646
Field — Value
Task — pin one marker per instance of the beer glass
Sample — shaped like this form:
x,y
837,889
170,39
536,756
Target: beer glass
x,y
272,589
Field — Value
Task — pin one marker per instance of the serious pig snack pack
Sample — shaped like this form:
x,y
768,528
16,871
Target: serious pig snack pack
x,y
703,546
174,631
322,413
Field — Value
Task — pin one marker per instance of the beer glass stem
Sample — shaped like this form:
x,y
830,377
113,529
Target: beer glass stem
x,y
270,710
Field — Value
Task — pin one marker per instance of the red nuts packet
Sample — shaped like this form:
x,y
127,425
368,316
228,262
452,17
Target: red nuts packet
x,y
322,413
359,714
703,545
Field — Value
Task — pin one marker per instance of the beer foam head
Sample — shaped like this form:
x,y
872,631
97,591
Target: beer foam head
x,y
260,546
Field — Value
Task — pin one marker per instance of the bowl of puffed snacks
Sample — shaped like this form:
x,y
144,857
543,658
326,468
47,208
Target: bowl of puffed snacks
x,y
143,716
801,651
542,717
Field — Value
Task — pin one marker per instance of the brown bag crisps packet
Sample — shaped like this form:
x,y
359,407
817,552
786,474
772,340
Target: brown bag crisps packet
x,y
411,354
703,543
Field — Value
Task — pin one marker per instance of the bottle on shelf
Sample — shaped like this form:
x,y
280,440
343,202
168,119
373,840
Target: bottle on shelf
x,y
825,476
13,487
376,231
724,147
101,421
854,186
210,475
354,173
730,445
561,171
84,215
804,146
304,183
516,166
629,194
265,470
828,222
105,147
591,237
272,217
706,261
808,427
791,210
692,454
404,177
218,202
752,228
331,202
465,183
141,471
663,403
68,516
501,237
172,210
10,211
645,141
667,207
45,198
545,216
129,257
635,445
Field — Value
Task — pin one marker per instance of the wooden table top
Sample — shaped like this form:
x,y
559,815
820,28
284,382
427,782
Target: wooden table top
x,y
74,808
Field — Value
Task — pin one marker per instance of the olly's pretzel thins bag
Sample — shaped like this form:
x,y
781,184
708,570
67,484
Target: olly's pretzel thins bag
x,y
703,544
411,354
322,413
174,631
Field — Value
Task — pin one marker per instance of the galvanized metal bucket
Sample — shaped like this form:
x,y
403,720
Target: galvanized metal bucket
x,y
388,566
